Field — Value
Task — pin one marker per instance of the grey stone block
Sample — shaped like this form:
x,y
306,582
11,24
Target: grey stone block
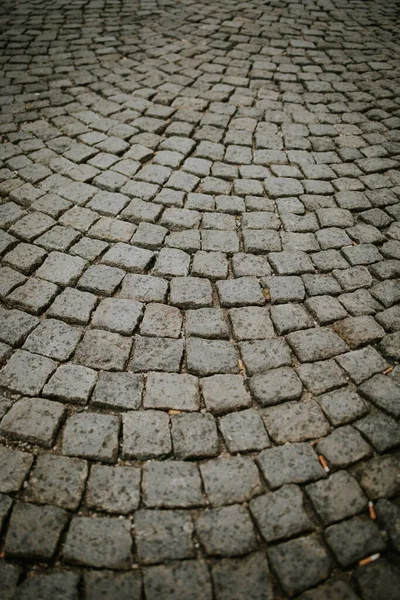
x,y
244,431
281,514
316,344
161,320
224,393
300,563
262,355
188,578
33,420
57,480
194,436
275,386
103,350
342,406
291,463
100,543
226,531
230,480
343,447
15,466
54,339
321,376
174,484
163,535
208,357
172,391
113,489
146,435
118,390
91,435
34,531
354,539
156,354
337,497
118,315
251,323
237,578
206,322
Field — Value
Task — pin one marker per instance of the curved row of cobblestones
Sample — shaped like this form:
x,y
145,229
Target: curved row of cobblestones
x,y
200,318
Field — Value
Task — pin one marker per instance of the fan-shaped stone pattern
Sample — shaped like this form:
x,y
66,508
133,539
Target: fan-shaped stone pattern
x,y
199,284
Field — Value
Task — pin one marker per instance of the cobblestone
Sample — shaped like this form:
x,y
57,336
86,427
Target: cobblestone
x,y
200,254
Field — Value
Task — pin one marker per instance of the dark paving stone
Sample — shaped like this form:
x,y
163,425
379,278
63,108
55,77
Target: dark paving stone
x,y
343,447
337,497
100,543
300,563
113,489
171,485
108,585
237,578
163,535
294,463
379,477
280,514
230,480
226,531
379,580
275,386
15,468
62,585
188,580
34,531
295,422
57,480
354,539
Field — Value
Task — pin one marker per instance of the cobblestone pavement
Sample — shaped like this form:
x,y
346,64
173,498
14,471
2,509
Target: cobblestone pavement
x,y
200,321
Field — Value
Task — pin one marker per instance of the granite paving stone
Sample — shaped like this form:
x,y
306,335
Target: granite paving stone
x,y
163,535
103,350
230,480
189,579
354,539
235,578
379,477
380,580
118,390
300,563
343,447
14,470
146,435
174,484
54,339
244,431
62,584
226,531
113,489
91,435
281,514
275,386
342,406
57,480
290,463
109,584
102,542
337,497
34,531
381,430
224,393
33,420
295,421
117,315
